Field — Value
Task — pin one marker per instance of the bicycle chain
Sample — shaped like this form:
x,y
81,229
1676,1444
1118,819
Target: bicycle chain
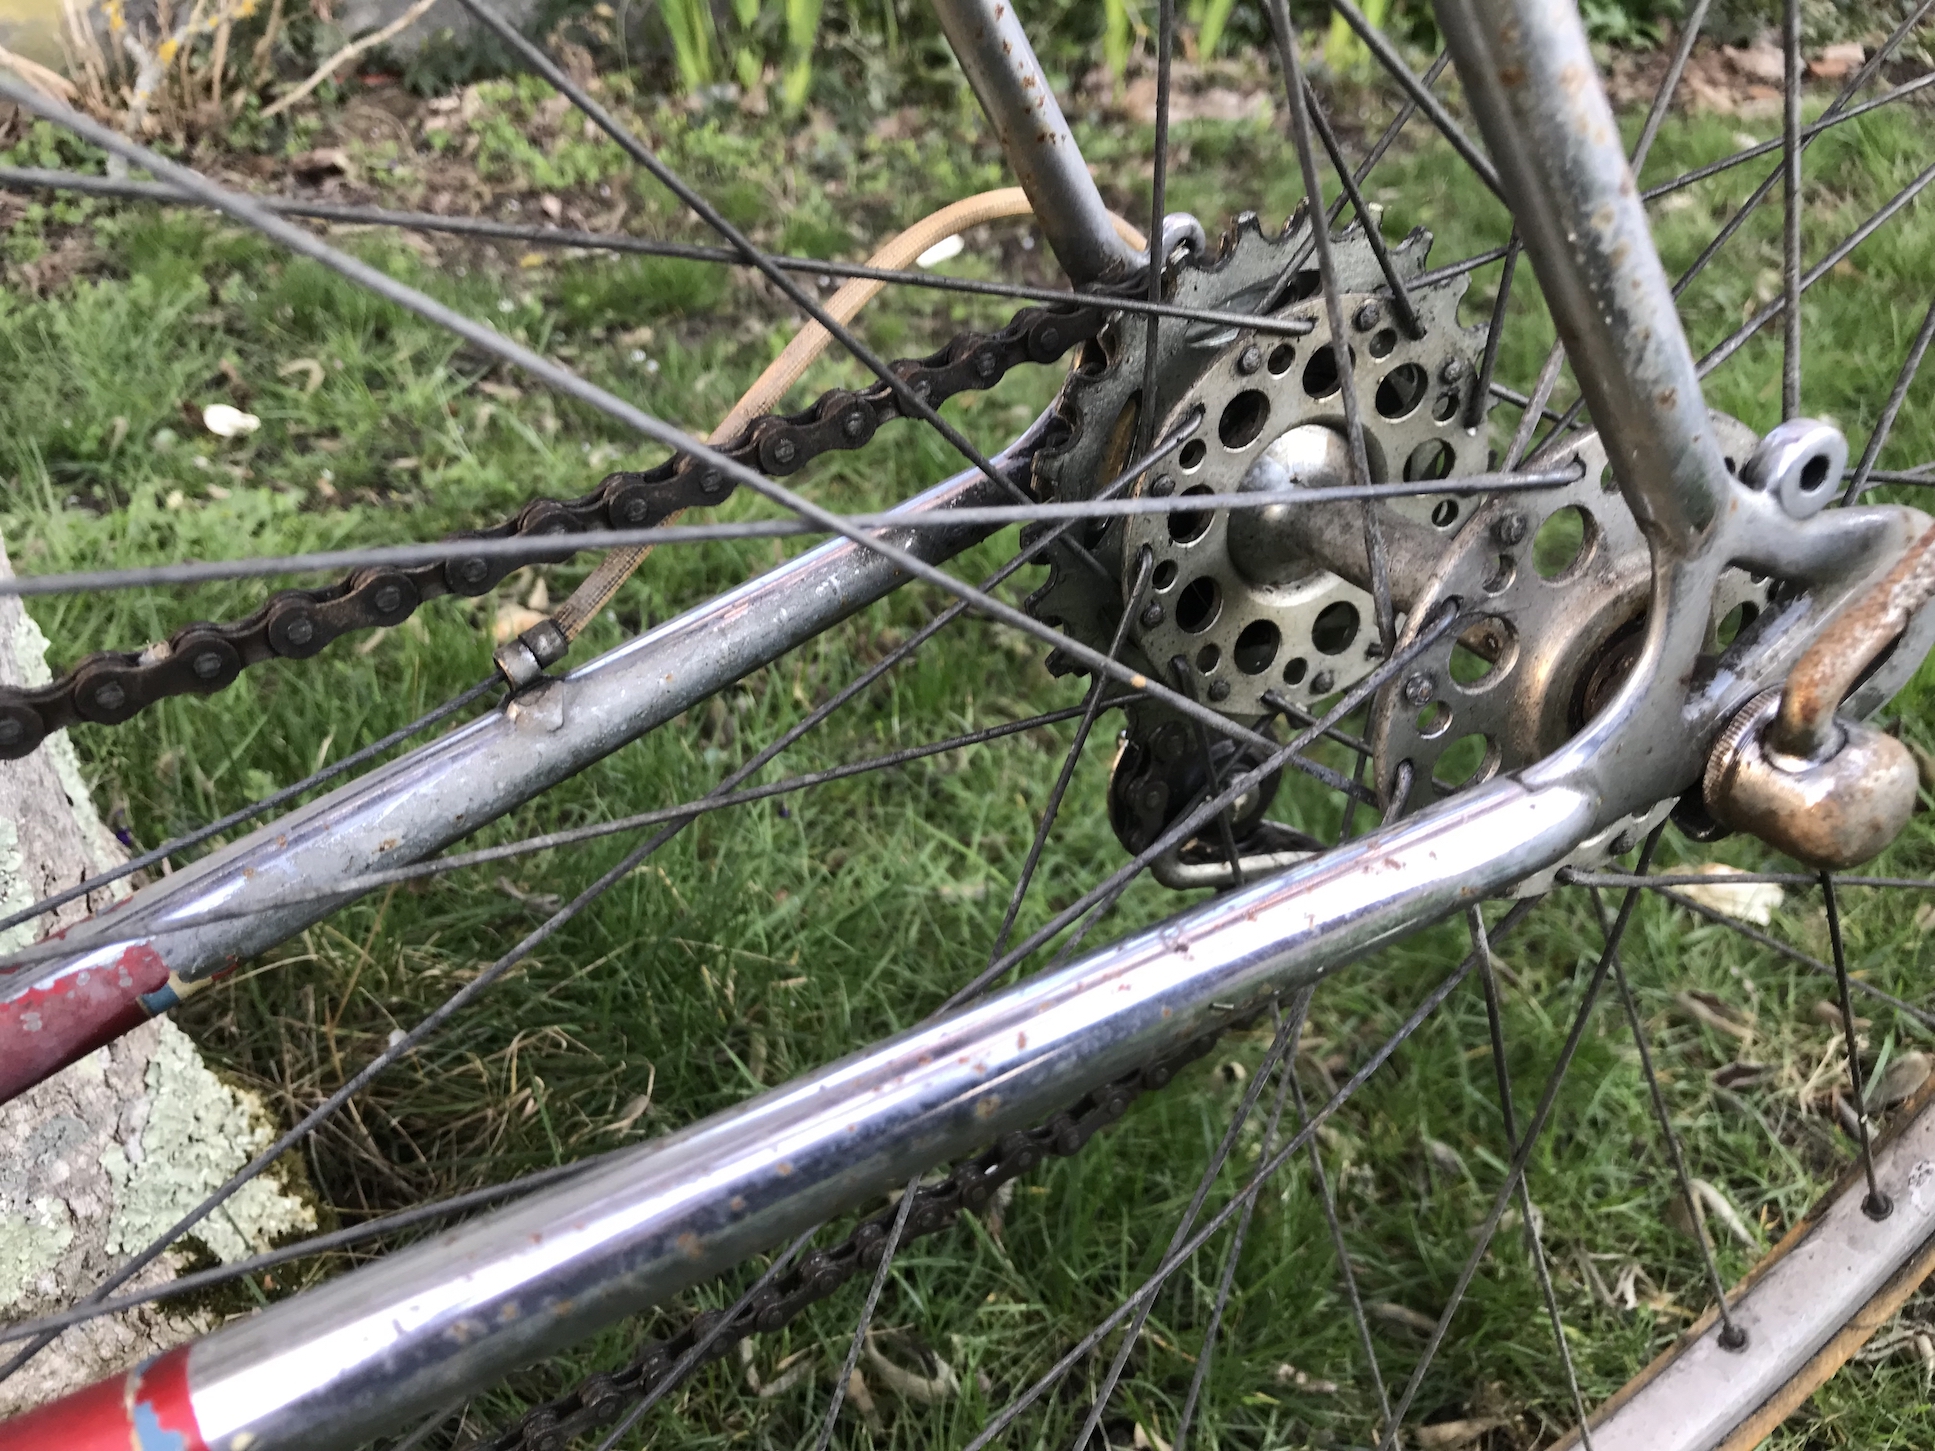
x,y
113,686
600,1399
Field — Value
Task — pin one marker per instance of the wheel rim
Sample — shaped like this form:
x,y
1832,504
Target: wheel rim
x,y
1864,471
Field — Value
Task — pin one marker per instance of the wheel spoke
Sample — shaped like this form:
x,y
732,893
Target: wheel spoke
x,y
1779,306
1528,421
905,397
603,401
1669,83
282,797
1791,201
1195,819
865,1322
1534,1240
1877,1204
1419,93
1090,710
400,1047
429,1428
457,1001
1298,716
1401,303
1396,128
1346,1276
1115,680
29,178
1794,954
1731,1335
1878,436
196,1280
1149,407
1283,1044
1341,352
1522,1153
1848,92
696,1356
1495,335
1186,680
544,548
349,888
1826,122
1266,1168
1233,1251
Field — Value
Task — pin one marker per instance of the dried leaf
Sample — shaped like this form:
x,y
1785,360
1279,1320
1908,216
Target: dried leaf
x,y
1715,1013
861,1399
1721,1208
308,367
1901,1078
1754,902
1392,1313
1288,1375
1443,1157
224,420
640,1105
313,166
1837,61
1625,1288
1826,1010
1147,1440
920,1389
1740,1074
513,620
1447,1434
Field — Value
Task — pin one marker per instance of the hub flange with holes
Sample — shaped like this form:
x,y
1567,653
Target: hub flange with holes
x,y
1555,585
1260,394
1243,597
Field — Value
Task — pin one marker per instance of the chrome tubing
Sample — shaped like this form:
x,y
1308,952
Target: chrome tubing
x,y
356,1356
988,41
128,964
1535,91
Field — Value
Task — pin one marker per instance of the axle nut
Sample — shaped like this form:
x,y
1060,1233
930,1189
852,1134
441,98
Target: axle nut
x,y
1831,814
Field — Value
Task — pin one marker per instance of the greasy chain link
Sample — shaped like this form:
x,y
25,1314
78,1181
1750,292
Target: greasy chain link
x,y
114,685
600,1399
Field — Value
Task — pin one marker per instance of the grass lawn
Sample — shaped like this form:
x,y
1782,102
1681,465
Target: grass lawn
x,y
768,940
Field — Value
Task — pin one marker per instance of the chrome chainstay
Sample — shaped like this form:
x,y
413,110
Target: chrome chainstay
x,y
113,686
600,1399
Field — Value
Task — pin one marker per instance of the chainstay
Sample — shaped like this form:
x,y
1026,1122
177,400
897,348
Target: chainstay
x,y
112,686
600,1399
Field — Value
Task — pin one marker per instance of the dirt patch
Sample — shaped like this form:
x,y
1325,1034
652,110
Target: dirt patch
x,y
1728,80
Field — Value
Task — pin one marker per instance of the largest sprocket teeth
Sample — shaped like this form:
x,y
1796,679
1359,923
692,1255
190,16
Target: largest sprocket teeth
x,y
1258,273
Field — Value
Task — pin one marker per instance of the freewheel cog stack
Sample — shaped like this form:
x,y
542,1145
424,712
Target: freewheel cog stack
x,y
1238,606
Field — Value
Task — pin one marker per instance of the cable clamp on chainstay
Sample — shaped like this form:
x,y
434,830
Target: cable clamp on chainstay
x,y
523,661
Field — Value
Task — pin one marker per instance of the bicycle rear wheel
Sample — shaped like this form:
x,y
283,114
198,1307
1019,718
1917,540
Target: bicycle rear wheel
x,y
1403,1178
